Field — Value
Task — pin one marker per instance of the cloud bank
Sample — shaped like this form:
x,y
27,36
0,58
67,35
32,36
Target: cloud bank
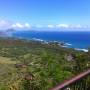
x,y
21,26
5,24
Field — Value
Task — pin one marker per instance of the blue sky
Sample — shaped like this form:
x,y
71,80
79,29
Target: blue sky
x,y
50,13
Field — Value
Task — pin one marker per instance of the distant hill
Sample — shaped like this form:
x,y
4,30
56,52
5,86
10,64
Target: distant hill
x,y
6,33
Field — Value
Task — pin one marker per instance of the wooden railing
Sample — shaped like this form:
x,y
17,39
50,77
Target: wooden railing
x,y
79,82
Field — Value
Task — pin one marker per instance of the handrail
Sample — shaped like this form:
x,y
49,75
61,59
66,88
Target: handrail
x,y
71,81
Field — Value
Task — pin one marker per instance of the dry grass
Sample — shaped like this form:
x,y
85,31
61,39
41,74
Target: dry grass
x,y
4,60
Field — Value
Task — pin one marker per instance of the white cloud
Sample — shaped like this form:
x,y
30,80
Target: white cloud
x,y
62,26
21,26
67,26
50,26
5,24
27,25
17,25
78,26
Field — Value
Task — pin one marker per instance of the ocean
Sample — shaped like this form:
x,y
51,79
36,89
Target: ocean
x,y
73,39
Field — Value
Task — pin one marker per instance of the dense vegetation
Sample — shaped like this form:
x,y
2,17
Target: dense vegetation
x,y
33,65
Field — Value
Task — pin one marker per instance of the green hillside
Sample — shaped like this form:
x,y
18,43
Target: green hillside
x,y
33,65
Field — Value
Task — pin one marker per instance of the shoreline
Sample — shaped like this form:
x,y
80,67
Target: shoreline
x,y
61,44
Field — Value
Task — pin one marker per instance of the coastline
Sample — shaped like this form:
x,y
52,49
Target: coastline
x,y
61,44
79,40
